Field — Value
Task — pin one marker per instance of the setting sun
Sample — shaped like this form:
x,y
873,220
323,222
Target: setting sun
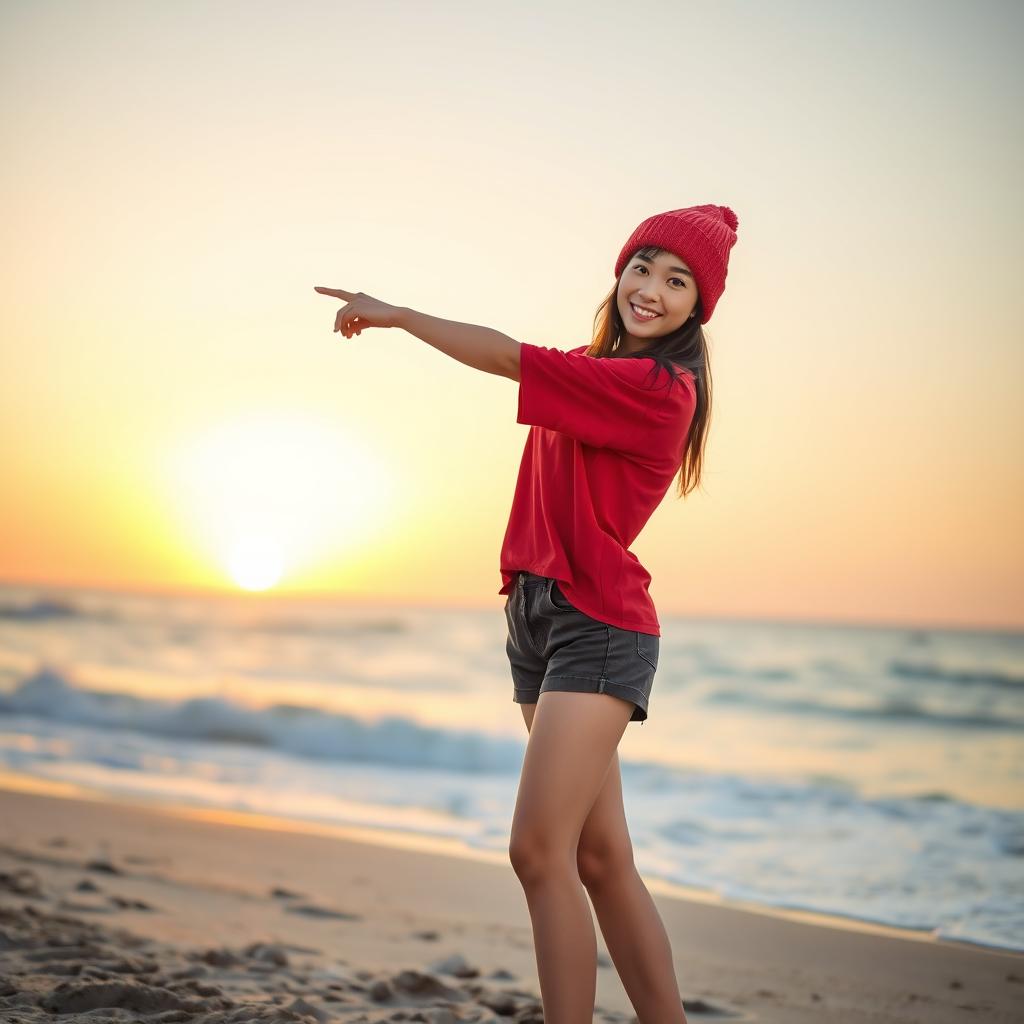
x,y
255,563
268,495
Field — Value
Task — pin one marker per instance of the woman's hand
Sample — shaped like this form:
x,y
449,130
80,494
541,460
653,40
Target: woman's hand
x,y
362,311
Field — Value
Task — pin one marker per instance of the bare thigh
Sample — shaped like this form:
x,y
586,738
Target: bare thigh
x,y
604,839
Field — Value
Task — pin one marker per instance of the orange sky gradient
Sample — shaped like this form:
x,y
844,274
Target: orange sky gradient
x,y
176,412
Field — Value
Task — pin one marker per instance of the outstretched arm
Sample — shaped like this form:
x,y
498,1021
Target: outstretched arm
x,y
480,347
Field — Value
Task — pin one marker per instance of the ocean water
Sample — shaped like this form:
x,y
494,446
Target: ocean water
x,y
871,773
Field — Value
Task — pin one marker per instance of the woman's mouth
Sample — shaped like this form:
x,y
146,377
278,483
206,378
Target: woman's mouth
x,y
642,314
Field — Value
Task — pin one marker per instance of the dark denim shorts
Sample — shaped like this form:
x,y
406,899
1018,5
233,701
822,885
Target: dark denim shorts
x,y
554,646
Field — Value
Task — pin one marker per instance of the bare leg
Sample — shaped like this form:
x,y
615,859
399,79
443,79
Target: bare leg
x,y
572,740
630,923
632,928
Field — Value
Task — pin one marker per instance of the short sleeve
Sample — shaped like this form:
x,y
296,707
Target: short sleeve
x,y
606,403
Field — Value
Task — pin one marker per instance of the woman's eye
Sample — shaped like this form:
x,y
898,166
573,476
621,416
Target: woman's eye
x,y
640,266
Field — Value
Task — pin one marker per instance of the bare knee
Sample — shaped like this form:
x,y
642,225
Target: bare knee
x,y
535,856
600,864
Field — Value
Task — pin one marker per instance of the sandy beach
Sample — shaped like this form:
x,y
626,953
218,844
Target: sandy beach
x,y
112,911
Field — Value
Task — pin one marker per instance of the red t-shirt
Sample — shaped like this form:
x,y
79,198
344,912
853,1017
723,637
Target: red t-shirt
x,y
605,444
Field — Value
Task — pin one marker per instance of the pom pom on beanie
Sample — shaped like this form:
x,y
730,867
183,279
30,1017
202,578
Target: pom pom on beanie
x,y
702,236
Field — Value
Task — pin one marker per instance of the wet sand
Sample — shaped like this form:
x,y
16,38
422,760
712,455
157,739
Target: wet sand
x,y
111,911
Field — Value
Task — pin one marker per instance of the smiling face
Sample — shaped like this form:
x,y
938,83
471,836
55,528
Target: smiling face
x,y
663,285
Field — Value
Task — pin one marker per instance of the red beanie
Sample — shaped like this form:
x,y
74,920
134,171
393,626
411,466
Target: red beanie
x,y
701,236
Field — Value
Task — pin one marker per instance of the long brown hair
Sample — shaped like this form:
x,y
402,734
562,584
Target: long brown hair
x,y
686,349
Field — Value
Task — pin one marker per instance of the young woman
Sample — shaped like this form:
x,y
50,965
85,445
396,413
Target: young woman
x,y
611,423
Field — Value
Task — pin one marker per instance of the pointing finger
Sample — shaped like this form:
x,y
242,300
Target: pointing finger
x,y
336,293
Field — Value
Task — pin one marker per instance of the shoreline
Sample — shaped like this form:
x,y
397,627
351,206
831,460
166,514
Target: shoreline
x,y
179,914
419,843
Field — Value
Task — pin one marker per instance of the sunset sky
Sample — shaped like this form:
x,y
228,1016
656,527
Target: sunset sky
x,y
176,412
